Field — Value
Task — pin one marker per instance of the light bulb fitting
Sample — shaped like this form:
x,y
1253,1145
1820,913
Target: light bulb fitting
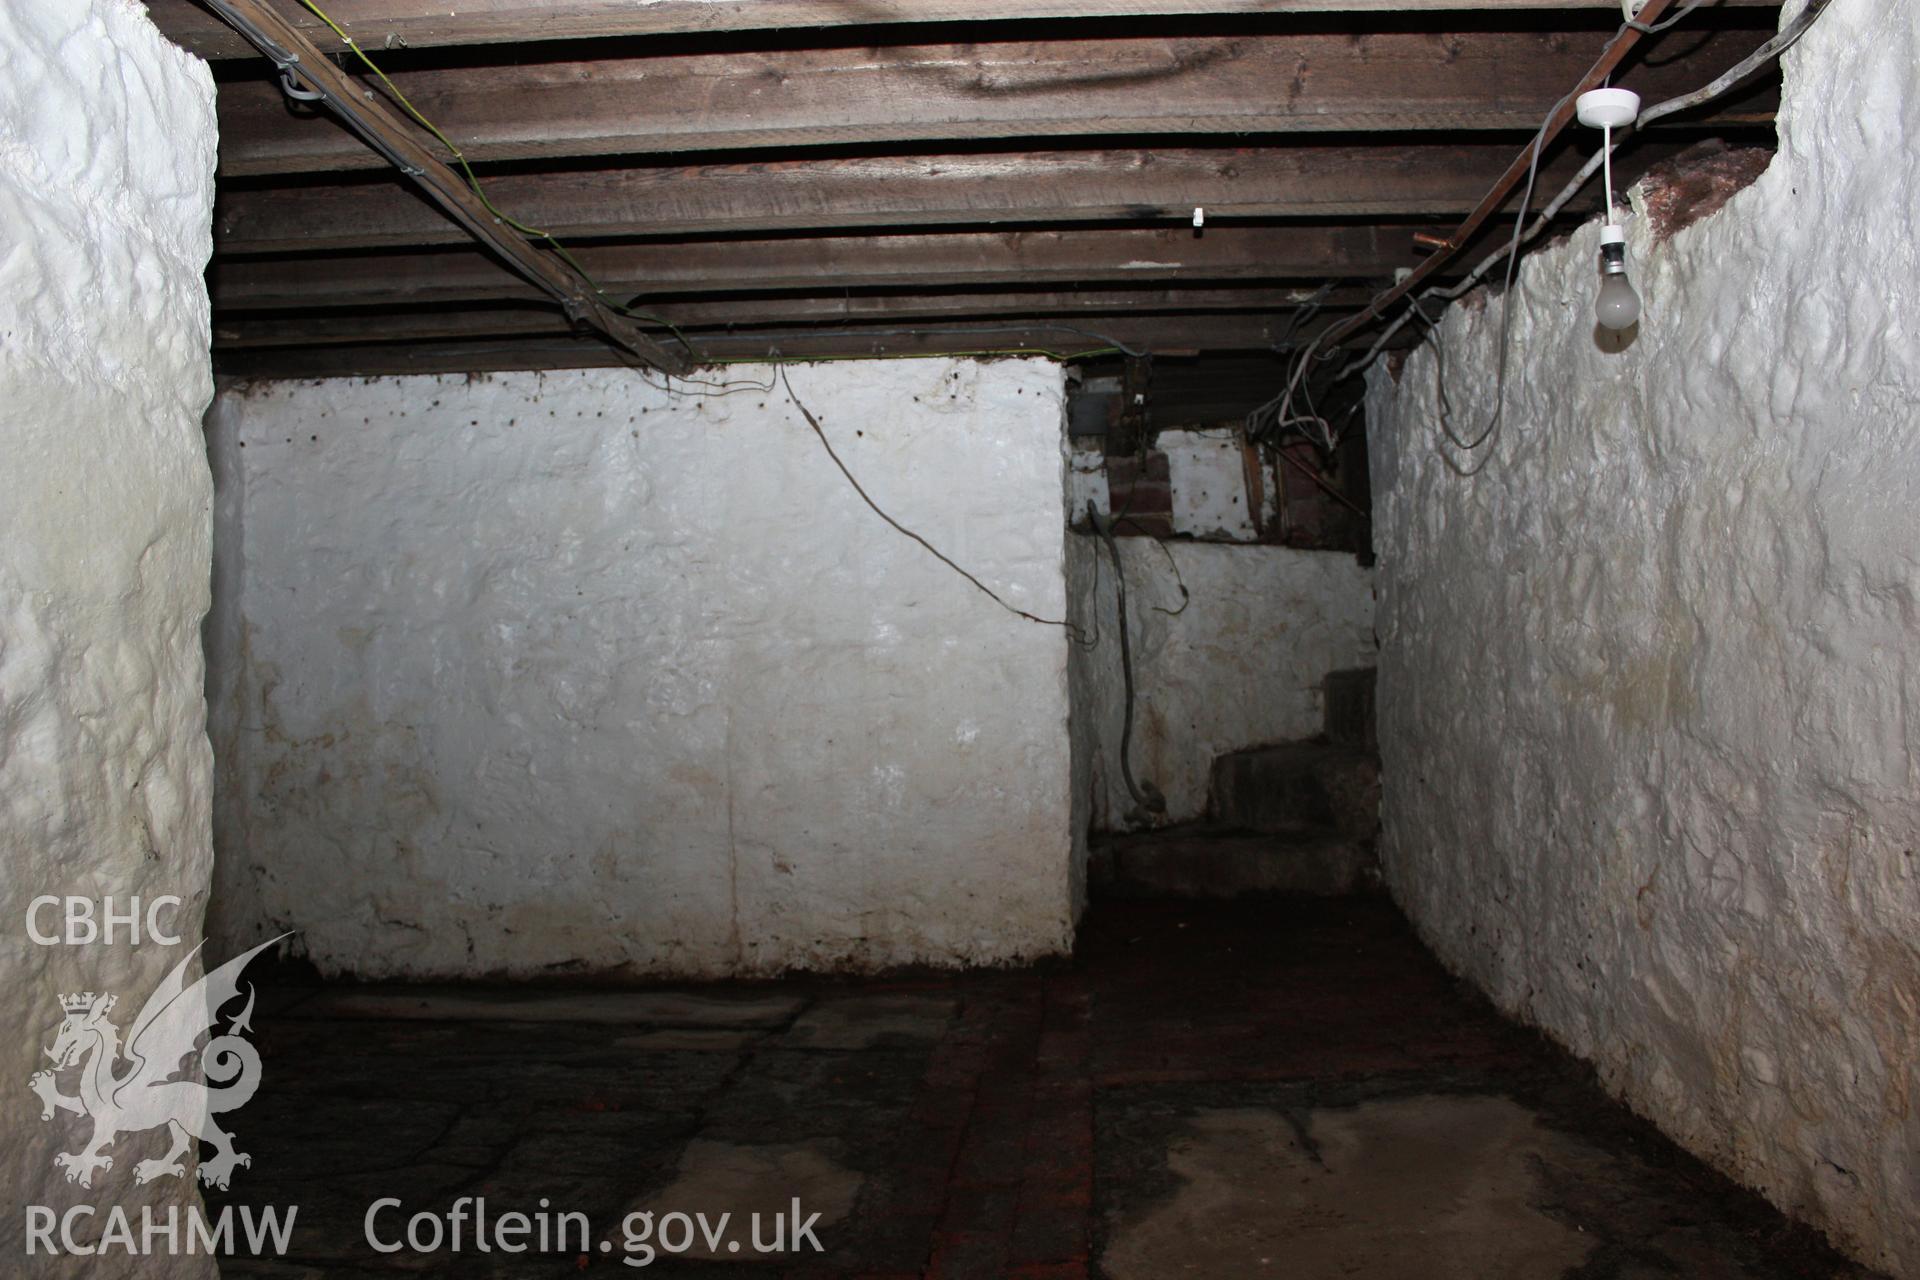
x,y
1618,306
1607,108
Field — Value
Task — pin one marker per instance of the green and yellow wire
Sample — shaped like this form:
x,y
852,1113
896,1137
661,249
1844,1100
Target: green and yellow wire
x,y
540,234
546,237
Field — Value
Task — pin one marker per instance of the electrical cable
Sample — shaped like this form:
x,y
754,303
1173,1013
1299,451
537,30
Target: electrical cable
x,y
546,237
1124,516
735,386
538,234
1147,798
1277,411
1303,313
1280,404
1276,415
1492,428
1606,165
285,46
1445,415
985,353
1093,599
289,85
1113,344
1179,580
1656,28
1714,88
899,528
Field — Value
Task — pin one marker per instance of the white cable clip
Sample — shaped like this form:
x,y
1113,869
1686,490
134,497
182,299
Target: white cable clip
x,y
1199,217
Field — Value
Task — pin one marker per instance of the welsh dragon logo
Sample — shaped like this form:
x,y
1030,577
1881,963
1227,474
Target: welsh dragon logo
x,y
148,1094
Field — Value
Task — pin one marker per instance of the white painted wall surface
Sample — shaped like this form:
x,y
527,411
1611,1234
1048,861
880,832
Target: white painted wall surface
x,y
539,673
1207,476
1206,467
1240,667
106,193
1087,482
1648,686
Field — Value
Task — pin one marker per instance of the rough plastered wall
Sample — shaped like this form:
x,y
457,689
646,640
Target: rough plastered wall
x,y
535,673
1648,685
106,193
1240,666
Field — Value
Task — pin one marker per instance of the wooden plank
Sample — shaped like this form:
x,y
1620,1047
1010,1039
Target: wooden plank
x,y
1175,334
1388,181
426,24
906,261
1268,84
326,330
330,328
380,130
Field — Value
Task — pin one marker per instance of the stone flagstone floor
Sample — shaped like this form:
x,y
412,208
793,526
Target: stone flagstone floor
x,y
1290,1088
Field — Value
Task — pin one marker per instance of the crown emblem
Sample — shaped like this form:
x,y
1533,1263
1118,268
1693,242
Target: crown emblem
x,y
79,1003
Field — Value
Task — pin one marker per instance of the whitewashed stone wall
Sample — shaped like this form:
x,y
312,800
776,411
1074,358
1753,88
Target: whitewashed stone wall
x,y
1648,687
530,674
1240,666
106,194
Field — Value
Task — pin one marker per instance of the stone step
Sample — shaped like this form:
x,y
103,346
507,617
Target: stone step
x,y
1297,786
1206,862
1347,708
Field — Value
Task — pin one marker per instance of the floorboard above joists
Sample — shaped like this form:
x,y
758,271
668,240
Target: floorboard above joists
x,y
1391,81
1187,336
1017,307
830,195
425,24
1387,181
1153,256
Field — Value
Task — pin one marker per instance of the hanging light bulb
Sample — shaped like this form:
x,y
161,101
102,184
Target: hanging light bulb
x,y
1618,306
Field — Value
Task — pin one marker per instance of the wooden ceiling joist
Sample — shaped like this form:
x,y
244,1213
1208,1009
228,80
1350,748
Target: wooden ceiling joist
x,y
427,24
1386,181
324,328
1392,81
382,133
1024,183
1186,334
827,263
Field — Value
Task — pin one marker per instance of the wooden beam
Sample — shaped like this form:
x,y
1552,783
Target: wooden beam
x,y
1269,84
1387,181
382,132
816,263
333,328
1175,335
426,24
1611,59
